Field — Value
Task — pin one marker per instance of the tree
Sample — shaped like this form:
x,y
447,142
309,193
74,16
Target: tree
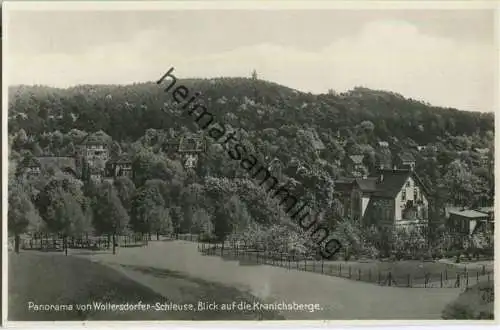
x,y
228,217
62,214
147,199
22,214
161,222
125,189
110,217
461,183
201,222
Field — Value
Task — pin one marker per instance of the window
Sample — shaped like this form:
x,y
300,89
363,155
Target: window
x,y
408,184
403,195
415,194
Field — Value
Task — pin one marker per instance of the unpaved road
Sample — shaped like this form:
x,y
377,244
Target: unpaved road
x,y
339,298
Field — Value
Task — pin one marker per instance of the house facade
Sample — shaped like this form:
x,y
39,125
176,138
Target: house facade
x,y
119,166
94,148
392,198
32,167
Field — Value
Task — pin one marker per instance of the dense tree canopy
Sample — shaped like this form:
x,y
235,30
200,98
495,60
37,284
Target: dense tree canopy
x,y
301,137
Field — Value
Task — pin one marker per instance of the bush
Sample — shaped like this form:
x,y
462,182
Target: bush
x,y
476,303
206,238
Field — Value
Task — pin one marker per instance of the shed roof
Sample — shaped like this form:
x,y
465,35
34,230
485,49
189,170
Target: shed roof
x,y
470,214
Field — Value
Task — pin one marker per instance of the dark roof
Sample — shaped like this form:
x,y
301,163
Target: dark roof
x,y
470,214
30,162
344,184
392,182
368,184
406,157
63,163
486,209
98,137
121,159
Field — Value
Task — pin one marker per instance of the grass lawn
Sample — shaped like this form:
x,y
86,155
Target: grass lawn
x,y
403,273
475,303
58,279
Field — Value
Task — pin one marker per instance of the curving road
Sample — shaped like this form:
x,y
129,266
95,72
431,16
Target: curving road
x,y
340,299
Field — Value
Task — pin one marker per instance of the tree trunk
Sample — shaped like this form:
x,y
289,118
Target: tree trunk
x,y
17,240
149,236
109,239
157,236
65,244
114,243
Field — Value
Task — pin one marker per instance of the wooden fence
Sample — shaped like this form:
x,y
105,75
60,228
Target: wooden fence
x,y
451,277
56,243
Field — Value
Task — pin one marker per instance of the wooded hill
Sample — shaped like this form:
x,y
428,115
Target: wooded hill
x,y
304,136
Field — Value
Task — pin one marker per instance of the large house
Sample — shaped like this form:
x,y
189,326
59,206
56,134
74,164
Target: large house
x,y
394,197
187,147
94,148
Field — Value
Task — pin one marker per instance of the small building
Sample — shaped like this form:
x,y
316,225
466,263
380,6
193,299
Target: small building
x,y
29,167
405,160
469,222
383,144
65,164
96,174
484,156
383,156
119,166
355,167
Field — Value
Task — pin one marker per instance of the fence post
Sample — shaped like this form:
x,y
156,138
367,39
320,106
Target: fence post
x,y
350,274
441,279
467,280
389,279
289,263
340,270
322,265
425,280
484,269
379,279
359,274
446,274
477,277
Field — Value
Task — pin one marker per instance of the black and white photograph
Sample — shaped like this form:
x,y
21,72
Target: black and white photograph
x,y
244,161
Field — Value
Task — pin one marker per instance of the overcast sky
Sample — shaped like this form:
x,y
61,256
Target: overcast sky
x,y
444,57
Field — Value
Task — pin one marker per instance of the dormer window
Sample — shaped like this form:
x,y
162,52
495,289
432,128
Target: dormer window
x,y
403,195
